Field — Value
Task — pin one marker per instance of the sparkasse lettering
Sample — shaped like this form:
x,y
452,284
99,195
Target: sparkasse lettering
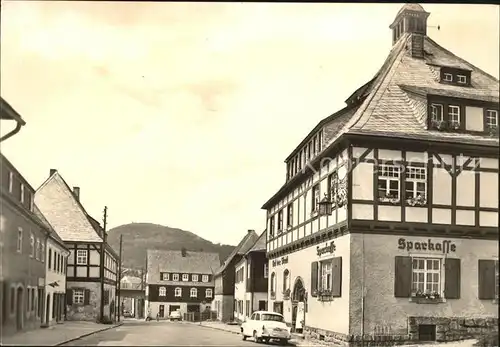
x,y
445,246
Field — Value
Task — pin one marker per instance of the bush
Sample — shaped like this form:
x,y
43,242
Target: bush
x,y
488,340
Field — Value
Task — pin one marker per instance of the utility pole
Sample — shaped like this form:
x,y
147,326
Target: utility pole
x,y
103,251
120,279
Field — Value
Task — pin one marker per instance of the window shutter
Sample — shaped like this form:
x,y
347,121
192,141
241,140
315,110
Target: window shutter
x,y
69,297
452,278
403,277
314,278
337,277
86,297
486,279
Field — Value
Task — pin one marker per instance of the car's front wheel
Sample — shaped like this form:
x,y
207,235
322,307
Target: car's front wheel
x,y
283,342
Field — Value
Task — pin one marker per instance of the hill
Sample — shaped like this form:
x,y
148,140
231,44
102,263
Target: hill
x,y
139,237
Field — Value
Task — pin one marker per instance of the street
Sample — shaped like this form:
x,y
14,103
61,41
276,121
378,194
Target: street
x,y
141,333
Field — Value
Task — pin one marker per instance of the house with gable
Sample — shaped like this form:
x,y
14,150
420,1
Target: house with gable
x,y
388,219
91,269
251,283
224,302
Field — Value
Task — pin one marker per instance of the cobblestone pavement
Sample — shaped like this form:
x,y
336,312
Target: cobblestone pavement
x,y
54,335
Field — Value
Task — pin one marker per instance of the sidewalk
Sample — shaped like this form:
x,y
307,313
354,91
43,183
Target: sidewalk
x,y
56,334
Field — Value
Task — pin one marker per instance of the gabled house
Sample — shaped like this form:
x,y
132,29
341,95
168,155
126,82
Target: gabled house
x,y
224,302
388,219
91,274
179,281
251,283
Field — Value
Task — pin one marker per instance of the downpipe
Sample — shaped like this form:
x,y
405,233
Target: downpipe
x,y
12,133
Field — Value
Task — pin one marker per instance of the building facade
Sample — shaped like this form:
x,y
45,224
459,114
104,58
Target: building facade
x,y
91,269
179,281
251,283
389,215
224,303
23,241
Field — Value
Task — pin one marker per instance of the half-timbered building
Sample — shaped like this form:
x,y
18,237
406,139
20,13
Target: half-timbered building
x,y
179,281
388,219
91,269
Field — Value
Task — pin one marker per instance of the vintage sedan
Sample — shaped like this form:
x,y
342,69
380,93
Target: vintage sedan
x,y
264,326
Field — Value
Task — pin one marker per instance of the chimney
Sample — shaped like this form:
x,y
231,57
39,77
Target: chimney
x,y
251,231
183,252
52,171
76,193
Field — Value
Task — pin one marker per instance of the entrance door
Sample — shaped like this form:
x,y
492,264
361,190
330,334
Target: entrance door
x,y
298,305
262,305
19,309
161,312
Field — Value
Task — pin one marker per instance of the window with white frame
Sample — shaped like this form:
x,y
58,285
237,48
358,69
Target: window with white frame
x,y
81,257
416,184
454,115
326,275
32,246
271,226
175,277
11,181
195,278
162,291
42,252
37,249
491,119
78,296
289,218
19,239
388,182
204,278
208,293
437,113
22,193
193,293
448,77
178,292
461,79
315,198
426,275
185,277
266,270
280,221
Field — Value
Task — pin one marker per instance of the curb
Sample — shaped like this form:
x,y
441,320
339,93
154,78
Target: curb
x,y
221,329
88,334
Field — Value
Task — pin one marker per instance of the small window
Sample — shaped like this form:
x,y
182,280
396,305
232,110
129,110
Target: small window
x,y
266,270
491,119
185,277
22,193
273,282
286,280
208,293
11,181
42,252
19,239
437,113
462,79
205,278
37,249
165,277
175,277
289,218
193,293
271,226
326,275
448,77
195,278
426,275
32,246
454,115
78,296
162,291
315,198
388,183
178,292
81,257
280,221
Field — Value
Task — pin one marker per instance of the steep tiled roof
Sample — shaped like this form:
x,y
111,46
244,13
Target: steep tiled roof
x,y
53,234
244,245
260,244
64,212
173,261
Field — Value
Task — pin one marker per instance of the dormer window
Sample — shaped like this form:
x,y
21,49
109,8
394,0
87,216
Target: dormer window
x,y
451,75
462,79
448,77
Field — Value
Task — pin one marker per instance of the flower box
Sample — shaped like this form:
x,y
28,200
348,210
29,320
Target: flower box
x,y
389,199
438,125
416,201
420,297
325,295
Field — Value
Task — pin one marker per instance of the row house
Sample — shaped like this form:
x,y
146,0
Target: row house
x,y
92,265
391,224
224,303
179,281
251,284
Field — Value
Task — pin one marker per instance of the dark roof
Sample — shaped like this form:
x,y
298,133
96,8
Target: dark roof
x,y
240,249
8,112
173,261
64,212
260,244
52,233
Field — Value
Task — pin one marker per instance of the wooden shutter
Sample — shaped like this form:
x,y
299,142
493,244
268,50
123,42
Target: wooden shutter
x,y
486,279
403,277
314,278
337,277
69,296
86,297
452,278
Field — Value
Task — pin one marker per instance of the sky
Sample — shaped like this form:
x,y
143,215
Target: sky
x,y
182,114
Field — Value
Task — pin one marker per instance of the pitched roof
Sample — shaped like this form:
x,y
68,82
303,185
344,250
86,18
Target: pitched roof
x,y
245,244
260,244
8,112
173,261
52,233
64,212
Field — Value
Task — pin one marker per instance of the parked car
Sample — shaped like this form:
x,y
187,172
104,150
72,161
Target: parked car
x,y
175,315
127,314
264,326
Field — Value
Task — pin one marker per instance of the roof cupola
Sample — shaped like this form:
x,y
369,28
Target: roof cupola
x,y
411,18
